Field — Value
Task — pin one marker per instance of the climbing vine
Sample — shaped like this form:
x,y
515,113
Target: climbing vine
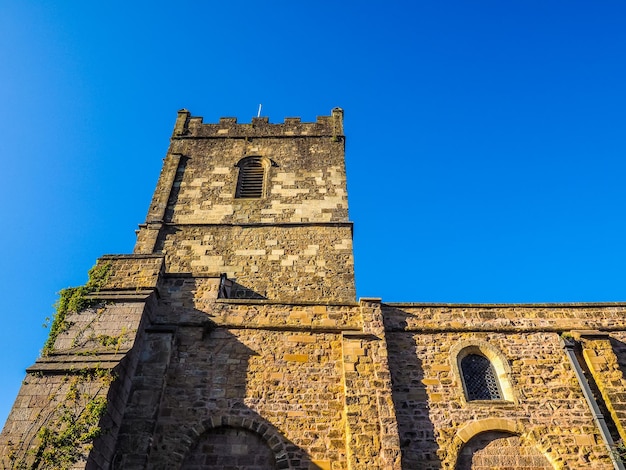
x,y
67,427
619,451
75,299
63,431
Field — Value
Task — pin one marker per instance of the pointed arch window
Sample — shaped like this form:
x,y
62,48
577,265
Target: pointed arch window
x,y
251,180
479,377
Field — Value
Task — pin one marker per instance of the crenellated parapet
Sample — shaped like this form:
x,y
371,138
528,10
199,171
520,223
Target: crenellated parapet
x,y
188,126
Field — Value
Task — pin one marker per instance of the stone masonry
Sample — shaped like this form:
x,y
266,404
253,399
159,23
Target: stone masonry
x,y
232,339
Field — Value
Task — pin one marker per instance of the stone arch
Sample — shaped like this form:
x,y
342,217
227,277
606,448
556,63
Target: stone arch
x,y
494,437
264,438
496,358
474,428
252,177
500,450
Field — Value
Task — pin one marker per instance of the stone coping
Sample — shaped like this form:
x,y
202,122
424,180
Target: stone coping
x,y
284,302
501,305
138,295
66,361
346,223
134,256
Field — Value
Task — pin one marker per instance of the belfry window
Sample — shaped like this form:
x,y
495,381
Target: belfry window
x,y
480,378
251,178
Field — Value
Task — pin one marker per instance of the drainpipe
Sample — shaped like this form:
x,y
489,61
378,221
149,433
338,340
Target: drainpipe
x,y
568,346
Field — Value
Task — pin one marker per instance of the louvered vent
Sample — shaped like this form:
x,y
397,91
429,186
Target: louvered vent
x,y
250,183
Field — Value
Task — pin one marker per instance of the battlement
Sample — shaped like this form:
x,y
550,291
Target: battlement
x,y
188,126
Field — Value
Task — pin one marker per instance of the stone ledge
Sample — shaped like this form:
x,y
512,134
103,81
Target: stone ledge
x,y
496,305
582,334
123,294
69,362
470,328
340,329
260,135
354,334
285,303
492,403
257,224
133,256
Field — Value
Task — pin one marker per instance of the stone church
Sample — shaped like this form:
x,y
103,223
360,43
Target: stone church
x,y
232,339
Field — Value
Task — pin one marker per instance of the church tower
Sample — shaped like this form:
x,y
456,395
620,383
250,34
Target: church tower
x,y
263,204
231,337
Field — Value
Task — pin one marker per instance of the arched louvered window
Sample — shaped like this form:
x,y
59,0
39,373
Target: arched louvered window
x,y
251,178
480,378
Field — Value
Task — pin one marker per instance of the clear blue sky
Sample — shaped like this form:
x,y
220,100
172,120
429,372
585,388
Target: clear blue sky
x,y
486,140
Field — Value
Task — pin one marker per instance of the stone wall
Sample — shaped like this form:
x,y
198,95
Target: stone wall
x,y
226,446
500,450
601,353
293,243
290,383
299,187
305,262
305,181
294,374
545,408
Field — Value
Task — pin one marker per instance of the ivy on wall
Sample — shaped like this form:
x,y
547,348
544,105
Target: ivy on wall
x,y
63,431
75,299
67,426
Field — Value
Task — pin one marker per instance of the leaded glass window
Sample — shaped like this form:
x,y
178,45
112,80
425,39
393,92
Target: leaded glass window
x,y
480,378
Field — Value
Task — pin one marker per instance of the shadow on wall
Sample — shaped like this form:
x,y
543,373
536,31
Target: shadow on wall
x,y
229,289
189,391
417,438
619,348
175,191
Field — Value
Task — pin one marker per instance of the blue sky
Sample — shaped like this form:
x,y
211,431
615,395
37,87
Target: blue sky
x,y
485,140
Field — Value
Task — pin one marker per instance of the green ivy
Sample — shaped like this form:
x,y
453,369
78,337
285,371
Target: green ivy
x,y
619,451
69,429
115,342
75,299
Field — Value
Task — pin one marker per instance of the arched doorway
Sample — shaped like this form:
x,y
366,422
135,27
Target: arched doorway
x,y
226,447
